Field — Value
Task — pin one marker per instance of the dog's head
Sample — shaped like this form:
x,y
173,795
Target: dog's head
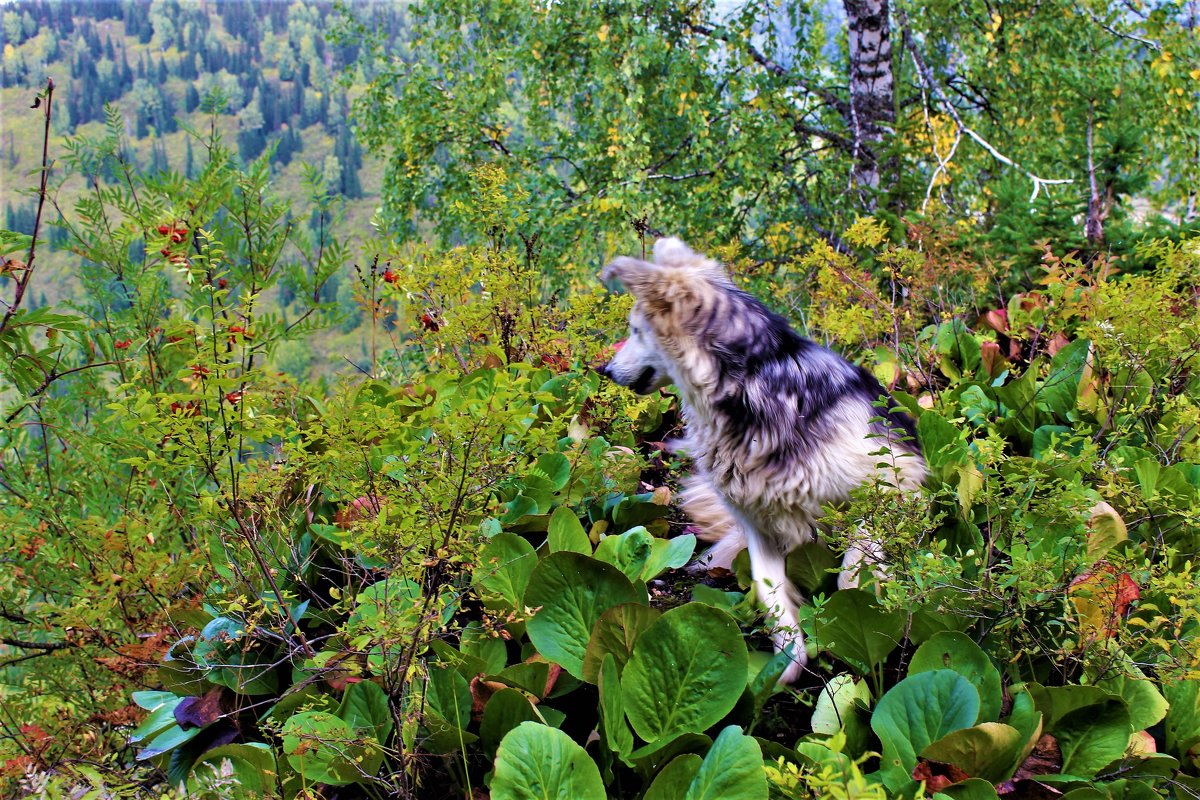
x,y
665,293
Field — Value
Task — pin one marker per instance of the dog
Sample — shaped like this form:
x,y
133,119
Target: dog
x,y
777,425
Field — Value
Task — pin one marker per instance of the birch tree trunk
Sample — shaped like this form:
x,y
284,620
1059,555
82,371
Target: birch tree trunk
x,y
872,110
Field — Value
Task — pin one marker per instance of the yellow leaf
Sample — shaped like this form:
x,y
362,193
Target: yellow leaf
x,y
602,34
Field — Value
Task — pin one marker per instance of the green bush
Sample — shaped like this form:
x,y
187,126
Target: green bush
x,y
458,573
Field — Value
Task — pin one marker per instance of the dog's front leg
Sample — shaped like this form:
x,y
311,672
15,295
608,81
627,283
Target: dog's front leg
x,y
863,553
768,566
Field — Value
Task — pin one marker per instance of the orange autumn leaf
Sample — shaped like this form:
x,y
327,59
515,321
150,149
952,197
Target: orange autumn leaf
x,y
1101,598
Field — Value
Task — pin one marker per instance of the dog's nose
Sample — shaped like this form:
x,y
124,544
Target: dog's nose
x,y
603,370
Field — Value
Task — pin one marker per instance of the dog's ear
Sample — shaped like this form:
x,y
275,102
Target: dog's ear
x,y
659,287
672,252
633,273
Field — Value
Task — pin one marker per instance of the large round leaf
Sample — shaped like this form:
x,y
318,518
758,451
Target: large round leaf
x,y
616,632
668,554
250,767
1093,737
504,567
628,551
983,751
957,651
506,709
687,671
565,532
732,768
536,762
674,779
857,630
323,748
916,712
571,591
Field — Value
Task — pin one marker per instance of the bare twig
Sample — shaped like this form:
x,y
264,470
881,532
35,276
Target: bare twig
x,y
23,281
928,83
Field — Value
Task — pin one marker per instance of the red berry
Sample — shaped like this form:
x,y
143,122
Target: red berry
x,y
390,277
178,237
164,229
121,345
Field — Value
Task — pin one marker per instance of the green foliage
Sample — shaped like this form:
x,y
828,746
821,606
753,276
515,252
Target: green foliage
x,y
456,574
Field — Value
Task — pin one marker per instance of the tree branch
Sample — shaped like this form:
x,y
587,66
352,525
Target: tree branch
x,y
928,83
23,281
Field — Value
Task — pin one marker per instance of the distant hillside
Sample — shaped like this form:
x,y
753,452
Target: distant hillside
x,y
268,64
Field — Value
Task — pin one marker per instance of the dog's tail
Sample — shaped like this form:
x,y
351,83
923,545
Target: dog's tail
x,y
717,524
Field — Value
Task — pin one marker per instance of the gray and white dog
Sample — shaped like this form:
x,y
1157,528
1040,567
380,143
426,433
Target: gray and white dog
x,y
778,425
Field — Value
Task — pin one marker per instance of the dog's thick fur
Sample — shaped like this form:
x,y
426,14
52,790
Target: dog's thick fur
x,y
778,425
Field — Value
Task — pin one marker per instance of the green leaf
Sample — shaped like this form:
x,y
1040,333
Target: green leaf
x,y
733,768
1145,702
854,627
391,597
168,739
1059,390
323,748
942,445
973,789
983,751
1055,702
555,468
957,651
1183,716
251,767
668,554
916,712
1028,722
566,533
809,566
1047,437
673,781
842,706
162,716
536,762
1093,737
504,568
505,710
448,694
365,707
571,592
612,709
628,551
615,633
687,671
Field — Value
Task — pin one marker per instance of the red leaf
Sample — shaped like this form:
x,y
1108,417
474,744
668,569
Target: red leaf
x,y
199,712
938,776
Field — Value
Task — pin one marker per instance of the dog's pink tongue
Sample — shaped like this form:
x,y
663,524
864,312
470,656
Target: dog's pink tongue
x,y
616,348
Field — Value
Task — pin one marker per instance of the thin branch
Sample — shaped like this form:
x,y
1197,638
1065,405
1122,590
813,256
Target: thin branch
x,y
1119,34
927,82
766,63
50,378
26,645
23,281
